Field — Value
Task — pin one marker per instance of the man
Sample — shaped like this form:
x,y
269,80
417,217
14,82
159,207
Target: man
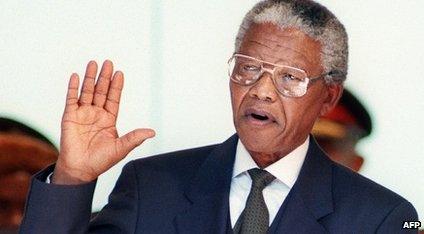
x,y
341,129
288,68
23,152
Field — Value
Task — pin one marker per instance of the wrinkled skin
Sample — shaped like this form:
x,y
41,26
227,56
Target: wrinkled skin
x,y
292,118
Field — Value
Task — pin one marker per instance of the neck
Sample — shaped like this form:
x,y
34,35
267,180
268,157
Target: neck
x,y
263,159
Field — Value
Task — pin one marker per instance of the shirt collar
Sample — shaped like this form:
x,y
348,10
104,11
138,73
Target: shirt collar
x,y
286,169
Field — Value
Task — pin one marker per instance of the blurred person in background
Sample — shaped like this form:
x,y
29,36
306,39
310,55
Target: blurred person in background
x,y
339,131
23,152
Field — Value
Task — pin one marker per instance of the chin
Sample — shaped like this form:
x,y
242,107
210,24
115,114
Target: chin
x,y
257,141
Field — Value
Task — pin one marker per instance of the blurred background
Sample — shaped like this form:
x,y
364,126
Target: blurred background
x,y
174,54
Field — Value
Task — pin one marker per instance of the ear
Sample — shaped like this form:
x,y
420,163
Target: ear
x,y
357,163
334,92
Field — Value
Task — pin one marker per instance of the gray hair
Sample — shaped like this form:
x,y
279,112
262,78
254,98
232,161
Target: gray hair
x,y
311,18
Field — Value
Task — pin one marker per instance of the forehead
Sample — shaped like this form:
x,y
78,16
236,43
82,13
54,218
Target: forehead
x,y
288,46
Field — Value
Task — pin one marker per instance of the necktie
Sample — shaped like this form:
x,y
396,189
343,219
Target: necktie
x,y
255,217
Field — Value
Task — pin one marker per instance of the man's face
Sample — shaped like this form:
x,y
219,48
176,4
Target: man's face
x,y
13,191
20,157
342,151
288,120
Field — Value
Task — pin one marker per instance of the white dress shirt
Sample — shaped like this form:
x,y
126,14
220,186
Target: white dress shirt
x,y
285,170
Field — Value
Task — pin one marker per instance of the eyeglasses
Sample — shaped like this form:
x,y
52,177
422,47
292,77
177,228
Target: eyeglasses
x,y
289,81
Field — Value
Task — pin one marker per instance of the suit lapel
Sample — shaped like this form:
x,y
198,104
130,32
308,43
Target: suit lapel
x,y
208,193
310,198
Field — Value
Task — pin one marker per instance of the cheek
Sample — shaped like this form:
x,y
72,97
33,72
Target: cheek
x,y
237,95
300,115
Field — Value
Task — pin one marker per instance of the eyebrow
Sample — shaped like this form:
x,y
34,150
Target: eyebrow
x,y
278,61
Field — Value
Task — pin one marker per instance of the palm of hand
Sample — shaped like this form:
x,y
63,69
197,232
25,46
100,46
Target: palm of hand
x,y
90,131
90,144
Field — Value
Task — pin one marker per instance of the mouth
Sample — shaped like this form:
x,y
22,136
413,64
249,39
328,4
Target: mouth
x,y
259,117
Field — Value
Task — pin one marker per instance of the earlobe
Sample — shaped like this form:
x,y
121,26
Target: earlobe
x,y
334,92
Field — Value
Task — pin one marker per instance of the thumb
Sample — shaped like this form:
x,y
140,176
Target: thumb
x,y
133,139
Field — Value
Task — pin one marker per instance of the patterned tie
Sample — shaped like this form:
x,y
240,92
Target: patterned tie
x,y
255,217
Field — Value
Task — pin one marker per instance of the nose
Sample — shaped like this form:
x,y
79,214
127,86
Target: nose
x,y
264,89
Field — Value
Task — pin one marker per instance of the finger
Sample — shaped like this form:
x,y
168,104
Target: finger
x,y
72,95
129,141
114,95
86,97
102,85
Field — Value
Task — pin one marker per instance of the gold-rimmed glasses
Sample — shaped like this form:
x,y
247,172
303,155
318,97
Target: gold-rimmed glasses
x,y
289,81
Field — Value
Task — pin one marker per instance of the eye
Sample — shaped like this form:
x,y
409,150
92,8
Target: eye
x,y
250,67
289,77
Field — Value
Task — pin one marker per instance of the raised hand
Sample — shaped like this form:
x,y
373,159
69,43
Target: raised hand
x,y
89,143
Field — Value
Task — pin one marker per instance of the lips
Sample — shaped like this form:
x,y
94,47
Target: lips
x,y
259,116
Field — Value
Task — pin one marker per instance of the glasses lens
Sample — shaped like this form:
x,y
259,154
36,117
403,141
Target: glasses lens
x,y
243,70
290,81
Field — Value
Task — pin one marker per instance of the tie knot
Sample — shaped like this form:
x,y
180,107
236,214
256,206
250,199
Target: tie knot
x,y
260,178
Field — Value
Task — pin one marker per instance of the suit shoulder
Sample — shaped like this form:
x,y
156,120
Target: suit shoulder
x,y
363,203
349,185
184,162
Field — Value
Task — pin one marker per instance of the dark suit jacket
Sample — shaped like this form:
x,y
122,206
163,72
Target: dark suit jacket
x,y
187,192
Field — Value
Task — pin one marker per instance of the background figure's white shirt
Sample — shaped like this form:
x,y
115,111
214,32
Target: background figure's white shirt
x,y
285,170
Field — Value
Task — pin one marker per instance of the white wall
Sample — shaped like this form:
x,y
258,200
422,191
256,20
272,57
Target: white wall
x,y
174,55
